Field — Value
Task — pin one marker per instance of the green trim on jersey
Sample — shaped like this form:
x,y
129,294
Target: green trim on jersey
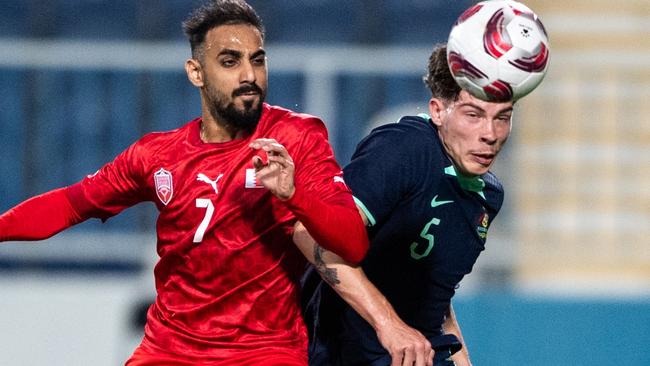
x,y
473,184
371,219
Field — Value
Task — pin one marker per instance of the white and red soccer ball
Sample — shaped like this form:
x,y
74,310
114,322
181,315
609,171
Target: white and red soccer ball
x,y
498,50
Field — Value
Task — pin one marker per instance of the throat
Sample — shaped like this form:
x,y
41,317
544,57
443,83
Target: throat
x,y
211,133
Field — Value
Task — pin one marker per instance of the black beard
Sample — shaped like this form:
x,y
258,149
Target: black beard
x,y
245,120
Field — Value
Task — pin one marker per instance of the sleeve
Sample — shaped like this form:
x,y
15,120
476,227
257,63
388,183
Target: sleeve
x,y
380,171
113,188
322,201
39,217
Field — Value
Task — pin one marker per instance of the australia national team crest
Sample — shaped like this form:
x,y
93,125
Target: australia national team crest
x,y
482,227
164,185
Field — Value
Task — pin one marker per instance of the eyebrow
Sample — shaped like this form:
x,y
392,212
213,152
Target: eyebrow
x,y
258,53
506,110
230,52
472,105
239,54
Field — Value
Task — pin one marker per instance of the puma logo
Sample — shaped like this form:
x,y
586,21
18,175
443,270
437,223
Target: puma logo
x,y
204,178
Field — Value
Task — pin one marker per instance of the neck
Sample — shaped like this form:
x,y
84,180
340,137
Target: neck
x,y
214,132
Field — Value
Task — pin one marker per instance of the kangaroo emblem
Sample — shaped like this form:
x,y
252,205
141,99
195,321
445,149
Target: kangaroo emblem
x,y
204,178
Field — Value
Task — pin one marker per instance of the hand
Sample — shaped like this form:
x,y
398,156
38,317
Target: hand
x,y
407,346
277,175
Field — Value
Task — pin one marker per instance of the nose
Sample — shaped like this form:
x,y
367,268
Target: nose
x,y
488,132
247,75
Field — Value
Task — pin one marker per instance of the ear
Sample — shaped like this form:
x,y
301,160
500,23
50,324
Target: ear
x,y
436,111
194,72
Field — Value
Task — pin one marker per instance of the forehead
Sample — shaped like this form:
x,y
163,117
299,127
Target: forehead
x,y
466,99
240,37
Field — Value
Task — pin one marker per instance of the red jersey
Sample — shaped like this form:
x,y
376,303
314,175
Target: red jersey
x,y
227,278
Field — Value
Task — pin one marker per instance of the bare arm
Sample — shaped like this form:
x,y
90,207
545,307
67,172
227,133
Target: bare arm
x,y
405,344
450,326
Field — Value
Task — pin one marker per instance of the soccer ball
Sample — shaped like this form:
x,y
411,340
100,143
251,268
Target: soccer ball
x,y
498,50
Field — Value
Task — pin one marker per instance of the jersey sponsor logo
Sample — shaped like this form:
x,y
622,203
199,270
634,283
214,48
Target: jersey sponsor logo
x,y
436,203
251,179
213,183
482,227
164,185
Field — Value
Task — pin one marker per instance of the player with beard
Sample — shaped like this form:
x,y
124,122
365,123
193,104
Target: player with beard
x,y
231,188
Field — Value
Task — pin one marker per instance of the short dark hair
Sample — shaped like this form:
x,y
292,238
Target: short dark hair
x,y
215,13
439,78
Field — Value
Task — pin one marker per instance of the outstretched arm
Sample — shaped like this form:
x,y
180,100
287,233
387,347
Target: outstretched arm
x,y
450,326
39,217
406,345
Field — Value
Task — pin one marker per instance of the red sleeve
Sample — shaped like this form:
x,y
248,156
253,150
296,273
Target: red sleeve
x,y
39,217
338,228
113,188
322,201
110,190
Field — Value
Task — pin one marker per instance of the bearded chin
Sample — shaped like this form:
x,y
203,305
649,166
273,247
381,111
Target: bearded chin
x,y
246,119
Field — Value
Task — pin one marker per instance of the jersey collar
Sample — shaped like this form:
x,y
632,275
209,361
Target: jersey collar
x,y
473,184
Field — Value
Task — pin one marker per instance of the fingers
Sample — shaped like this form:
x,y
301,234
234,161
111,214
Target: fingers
x,y
258,164
277,174
271,146
415,354
409,357
274,165
396,359
276,154
430,358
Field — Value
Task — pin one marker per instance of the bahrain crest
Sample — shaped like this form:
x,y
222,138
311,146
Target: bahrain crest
x,y
164,185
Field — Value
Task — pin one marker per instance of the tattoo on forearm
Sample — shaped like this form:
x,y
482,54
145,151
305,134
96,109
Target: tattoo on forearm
x,y
328,274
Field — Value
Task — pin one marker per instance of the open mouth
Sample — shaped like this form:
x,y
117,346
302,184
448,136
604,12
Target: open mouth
x,y
483,158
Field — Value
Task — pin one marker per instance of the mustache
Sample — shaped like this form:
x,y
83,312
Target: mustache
x,y
247,89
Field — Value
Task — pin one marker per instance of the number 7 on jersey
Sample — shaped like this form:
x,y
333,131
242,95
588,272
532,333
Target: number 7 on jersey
x,y
207,204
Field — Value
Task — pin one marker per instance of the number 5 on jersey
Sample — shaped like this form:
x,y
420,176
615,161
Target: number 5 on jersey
x,y
207,204
428,237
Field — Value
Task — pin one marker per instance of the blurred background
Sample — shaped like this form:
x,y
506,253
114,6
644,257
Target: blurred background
x,y
565,279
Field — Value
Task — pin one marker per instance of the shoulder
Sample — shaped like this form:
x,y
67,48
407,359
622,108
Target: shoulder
x,y
154,144
286,121
288,118
412,137
492,181
417,130
159,139
494,192
404,151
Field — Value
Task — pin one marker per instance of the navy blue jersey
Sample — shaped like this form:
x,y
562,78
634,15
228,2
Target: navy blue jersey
x,y
428,227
